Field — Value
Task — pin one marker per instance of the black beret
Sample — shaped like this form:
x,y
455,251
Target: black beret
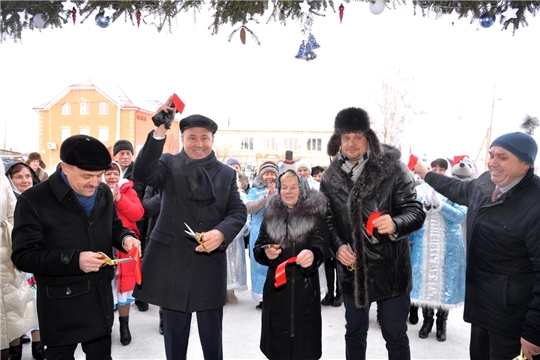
x,y
198,121
85,152
122,145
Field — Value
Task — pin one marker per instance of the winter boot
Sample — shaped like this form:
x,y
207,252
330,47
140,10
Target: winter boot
x,y
161,322
125,335
428,323
141,305
442,316
38,350
413,315
15,352
231,298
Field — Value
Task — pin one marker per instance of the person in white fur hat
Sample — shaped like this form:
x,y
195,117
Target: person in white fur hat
x,y
303,168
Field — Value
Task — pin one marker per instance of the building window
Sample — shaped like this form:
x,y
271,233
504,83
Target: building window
x,y
247,143
84,130
66,132
103,108
290,144
66,109
269,144
103,134
85,108
314,144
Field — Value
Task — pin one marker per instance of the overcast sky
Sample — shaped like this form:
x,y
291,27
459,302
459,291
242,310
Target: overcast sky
x,y
454,67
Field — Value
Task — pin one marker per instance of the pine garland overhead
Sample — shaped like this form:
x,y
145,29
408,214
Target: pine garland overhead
x,y
17,15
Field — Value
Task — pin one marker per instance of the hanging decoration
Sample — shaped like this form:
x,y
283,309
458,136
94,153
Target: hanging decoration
x,y
39,21
138,19
341,9
377,6
101,20
510,13
243,30
74,14
487,20
305,52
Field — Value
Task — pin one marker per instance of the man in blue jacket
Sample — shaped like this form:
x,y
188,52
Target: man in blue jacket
x,y
502,295
180,274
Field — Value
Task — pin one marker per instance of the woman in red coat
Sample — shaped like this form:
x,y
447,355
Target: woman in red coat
x,y
130,210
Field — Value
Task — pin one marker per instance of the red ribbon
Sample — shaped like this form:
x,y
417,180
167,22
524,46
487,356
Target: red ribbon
x,y
369,225
281,277
412,162
137,272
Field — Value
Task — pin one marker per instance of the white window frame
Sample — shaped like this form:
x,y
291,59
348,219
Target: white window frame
x,y
315,144
103,108
66,132
66,108
103,133
84,130
84,108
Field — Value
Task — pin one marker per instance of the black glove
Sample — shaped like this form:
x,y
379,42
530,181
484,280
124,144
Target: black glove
x,y
163,117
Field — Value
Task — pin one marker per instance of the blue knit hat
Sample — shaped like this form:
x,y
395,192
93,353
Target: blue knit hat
x,y
520,144
233,161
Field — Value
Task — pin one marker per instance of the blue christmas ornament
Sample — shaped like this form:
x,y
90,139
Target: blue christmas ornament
x,y
301,51
313,42
486,20
101,20
309,54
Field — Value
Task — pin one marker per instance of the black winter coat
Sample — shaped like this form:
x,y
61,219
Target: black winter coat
x,y
51,230
502,291
383,264
291,314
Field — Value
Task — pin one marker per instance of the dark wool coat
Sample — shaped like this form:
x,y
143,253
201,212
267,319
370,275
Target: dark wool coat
x,y
503,253
291,314
174,275
51,230
383,263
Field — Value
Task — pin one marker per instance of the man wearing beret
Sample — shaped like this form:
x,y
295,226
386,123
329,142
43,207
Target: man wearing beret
x,y
502,294
180,274
364,178
60,226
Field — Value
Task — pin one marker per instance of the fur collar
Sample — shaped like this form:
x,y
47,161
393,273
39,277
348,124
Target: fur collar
x,y
294,227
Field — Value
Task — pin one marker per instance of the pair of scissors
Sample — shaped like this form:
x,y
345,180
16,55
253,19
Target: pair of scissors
x,y
351,266
112,262
199,237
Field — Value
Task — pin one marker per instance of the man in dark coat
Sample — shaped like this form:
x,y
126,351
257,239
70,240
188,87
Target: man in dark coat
x,y
180,274
366,177
502,291
60,226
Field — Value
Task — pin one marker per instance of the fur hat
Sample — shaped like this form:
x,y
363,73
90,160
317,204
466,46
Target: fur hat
x,y
268,166
85,152
303,164
35,156
233,161
198,121
352,120
520,144
122,145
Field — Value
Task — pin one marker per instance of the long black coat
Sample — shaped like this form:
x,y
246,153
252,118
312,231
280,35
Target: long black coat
x,y
383,265
51,230
291,315
175,276
503,253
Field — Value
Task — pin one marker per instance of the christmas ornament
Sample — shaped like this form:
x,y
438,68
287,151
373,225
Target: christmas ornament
x,y
313,42
305,7
341,9
510,13
486,20
376,6
67,5
138,19
309,54
39,21
243,36
101,20
74,14
301,51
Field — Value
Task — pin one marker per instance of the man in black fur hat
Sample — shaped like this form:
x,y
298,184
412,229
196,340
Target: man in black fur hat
x,y
60,226
371,191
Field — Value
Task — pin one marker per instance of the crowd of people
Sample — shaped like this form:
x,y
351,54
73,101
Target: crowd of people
x,y
360,229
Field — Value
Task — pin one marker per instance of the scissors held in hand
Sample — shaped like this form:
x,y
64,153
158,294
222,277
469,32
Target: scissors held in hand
x,y
112,262
198,238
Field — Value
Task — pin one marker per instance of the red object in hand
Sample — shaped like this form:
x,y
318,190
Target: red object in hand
x,y
281,276
369,225
413,160
341,9
137,272
179,104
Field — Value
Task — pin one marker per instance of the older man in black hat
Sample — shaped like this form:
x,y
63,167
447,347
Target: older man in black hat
x,y
502,291
367,183
181,274
60,226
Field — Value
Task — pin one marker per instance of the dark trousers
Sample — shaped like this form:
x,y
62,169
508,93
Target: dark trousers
x,y
330,272
177,325
99,349
393,314
486,345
